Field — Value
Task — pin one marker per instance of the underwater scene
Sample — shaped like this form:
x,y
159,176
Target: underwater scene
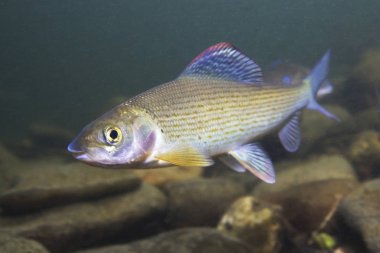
x,y
190,126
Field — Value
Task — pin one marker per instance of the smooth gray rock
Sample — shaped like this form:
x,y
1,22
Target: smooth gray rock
x,y
361,211
15,244
190,240
48,183
200,202
290,174
83,224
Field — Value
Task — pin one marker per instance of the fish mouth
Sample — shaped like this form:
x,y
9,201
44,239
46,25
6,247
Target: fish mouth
x,y
74,148
77,152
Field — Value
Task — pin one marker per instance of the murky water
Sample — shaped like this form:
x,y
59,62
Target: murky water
x,y
64,63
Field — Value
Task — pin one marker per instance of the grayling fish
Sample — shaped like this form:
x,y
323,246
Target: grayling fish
x,y
217,108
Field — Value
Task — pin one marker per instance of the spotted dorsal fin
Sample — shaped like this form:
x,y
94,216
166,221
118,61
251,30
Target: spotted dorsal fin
x,y
224,61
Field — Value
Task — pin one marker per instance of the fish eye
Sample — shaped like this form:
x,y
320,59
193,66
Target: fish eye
x,y
112,135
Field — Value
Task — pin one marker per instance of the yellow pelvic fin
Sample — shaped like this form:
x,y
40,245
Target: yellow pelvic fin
x,y
185,156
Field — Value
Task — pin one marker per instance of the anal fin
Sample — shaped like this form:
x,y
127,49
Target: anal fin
x,y
253,158
232,163
184,156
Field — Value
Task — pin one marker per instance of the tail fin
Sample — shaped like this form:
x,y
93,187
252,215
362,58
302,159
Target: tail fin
x,y
316,77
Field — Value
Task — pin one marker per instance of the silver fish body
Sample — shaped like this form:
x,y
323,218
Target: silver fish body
x,y
218,107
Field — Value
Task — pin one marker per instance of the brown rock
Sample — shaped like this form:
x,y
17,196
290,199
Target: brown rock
x,y
189,240
15,244
200,202
45,184
162,176
44,140
314,169
306,205
364,152
315,126
83,224
365,78
361,211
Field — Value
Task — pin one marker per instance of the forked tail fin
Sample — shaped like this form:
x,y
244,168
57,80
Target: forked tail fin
x,y
316,77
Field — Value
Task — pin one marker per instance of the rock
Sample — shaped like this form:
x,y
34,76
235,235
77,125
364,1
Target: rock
x,y
88,223
200,202
7,157
162,176
43,184
305,206
315,126
8,162
364,153
15,244
44,140
257,223
365,78
189,240
364,120
314,169
361,211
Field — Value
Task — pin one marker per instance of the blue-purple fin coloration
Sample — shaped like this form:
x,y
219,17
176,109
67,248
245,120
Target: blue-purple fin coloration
x,y
224,61
253,158
319,73
317,76
290,134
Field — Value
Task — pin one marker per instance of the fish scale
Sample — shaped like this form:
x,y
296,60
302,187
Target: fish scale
x,y
215,114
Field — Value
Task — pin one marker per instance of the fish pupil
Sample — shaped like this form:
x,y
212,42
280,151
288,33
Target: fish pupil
x,y
113,134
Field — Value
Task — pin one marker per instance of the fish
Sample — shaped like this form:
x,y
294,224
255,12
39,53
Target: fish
x,y
217,108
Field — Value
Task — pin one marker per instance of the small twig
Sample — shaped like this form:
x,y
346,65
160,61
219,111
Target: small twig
x,y
327,218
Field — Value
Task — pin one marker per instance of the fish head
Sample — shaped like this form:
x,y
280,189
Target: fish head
x,y
121,137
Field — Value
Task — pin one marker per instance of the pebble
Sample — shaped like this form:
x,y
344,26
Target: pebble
x,y
256,222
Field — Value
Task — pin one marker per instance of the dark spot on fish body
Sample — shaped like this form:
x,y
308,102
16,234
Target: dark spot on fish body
x,y
162,130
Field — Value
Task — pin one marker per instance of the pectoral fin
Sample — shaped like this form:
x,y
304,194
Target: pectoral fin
x,y
185,156
253,158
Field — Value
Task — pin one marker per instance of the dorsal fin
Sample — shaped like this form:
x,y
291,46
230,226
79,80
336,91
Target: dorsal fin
x,y
224,61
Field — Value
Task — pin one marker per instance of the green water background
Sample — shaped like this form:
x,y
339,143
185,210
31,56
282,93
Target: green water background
x,y
62,62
